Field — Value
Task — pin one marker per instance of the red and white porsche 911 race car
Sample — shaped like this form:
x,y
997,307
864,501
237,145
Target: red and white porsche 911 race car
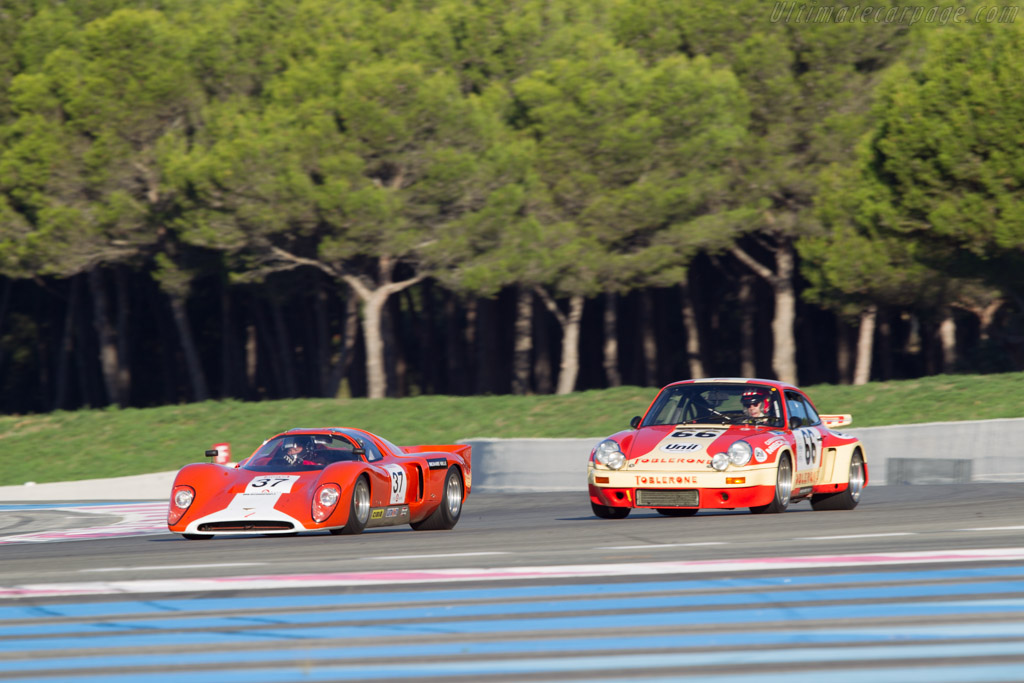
x,y
336,479
727,443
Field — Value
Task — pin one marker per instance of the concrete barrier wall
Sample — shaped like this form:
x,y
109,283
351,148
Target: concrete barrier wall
x,y
933,453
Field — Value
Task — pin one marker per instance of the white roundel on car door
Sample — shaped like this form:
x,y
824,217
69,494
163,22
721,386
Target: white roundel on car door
x,y
399,483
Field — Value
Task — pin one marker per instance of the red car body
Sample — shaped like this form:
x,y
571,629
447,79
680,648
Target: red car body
x,y
346,480
696,448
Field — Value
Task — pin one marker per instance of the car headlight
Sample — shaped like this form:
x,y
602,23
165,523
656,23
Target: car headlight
x,y
720,461
740,452
328,496
183,497
609,454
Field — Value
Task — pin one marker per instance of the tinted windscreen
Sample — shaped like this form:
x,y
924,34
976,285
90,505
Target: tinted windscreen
x,y
716,404
301,453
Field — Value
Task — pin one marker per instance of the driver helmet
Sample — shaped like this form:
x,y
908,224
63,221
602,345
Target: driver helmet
x,y
755,397
294,442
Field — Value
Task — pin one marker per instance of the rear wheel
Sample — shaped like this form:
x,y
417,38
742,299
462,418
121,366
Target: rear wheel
x,y
677,512
358,511
783,489
848,499
606,512
447,514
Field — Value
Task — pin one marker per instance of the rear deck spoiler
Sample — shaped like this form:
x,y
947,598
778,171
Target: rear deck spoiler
x,y
836,420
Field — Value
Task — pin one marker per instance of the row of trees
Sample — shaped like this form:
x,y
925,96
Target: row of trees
x,y
290,196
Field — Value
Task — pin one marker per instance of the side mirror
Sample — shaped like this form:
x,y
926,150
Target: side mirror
x,y
795,423
635,422
359,451
212,453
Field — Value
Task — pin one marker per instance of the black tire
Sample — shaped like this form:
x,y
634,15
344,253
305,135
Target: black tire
x,y
848,499
606,512
447,514
358,509
783,488
198,537
677,512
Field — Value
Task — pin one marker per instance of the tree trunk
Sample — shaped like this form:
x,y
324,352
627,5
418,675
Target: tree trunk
x,y
611,340
350,327
842,351
252,346
947,341
124,373
570,365
109,362
648,341
228,364
522,344
784,319
455,351
748,312
865,345
283,348
542,373
373,305
694,354
66,346
195,370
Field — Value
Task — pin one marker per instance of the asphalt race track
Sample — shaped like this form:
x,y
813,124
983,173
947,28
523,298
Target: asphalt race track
x,y
918,583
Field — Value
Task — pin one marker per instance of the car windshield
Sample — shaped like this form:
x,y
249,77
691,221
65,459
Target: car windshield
x,y
716,403
301,453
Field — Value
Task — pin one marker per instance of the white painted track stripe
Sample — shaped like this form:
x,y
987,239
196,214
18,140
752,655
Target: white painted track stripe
x,y
239,583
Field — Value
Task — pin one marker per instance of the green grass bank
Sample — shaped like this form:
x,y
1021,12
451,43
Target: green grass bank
x,y
87,444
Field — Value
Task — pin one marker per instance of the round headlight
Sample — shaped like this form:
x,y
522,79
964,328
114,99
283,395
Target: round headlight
x,y
183,497
329,496
609,454
720,461
740,452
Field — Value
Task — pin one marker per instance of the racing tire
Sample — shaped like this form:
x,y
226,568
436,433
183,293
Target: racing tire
x,y
607,512
447,514
848,499
677,512
358,509
197,537
783,489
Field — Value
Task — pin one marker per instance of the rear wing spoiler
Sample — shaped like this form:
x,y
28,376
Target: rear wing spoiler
x,y
836,420
464,450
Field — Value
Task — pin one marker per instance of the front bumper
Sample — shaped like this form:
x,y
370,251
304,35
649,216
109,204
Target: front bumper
x,y
739,488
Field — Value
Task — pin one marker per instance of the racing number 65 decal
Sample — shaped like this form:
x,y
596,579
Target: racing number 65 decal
x,y
399,483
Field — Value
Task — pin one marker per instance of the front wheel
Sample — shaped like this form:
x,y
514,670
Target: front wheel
x,y
783,489
606,512
358,511
848,499
447,514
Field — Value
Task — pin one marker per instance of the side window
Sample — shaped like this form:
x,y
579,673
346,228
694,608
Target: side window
x,y
812,414
372,453
795,408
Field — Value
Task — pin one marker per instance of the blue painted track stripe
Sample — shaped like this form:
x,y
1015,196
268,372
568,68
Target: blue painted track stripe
x,y
789,615
112,609
596,603
891,635
592,663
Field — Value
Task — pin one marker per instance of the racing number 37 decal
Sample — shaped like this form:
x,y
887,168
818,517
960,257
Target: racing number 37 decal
x,y
808,451
399,483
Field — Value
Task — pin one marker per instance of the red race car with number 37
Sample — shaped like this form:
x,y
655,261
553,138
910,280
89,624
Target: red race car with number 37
x,y
336,479
727,443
